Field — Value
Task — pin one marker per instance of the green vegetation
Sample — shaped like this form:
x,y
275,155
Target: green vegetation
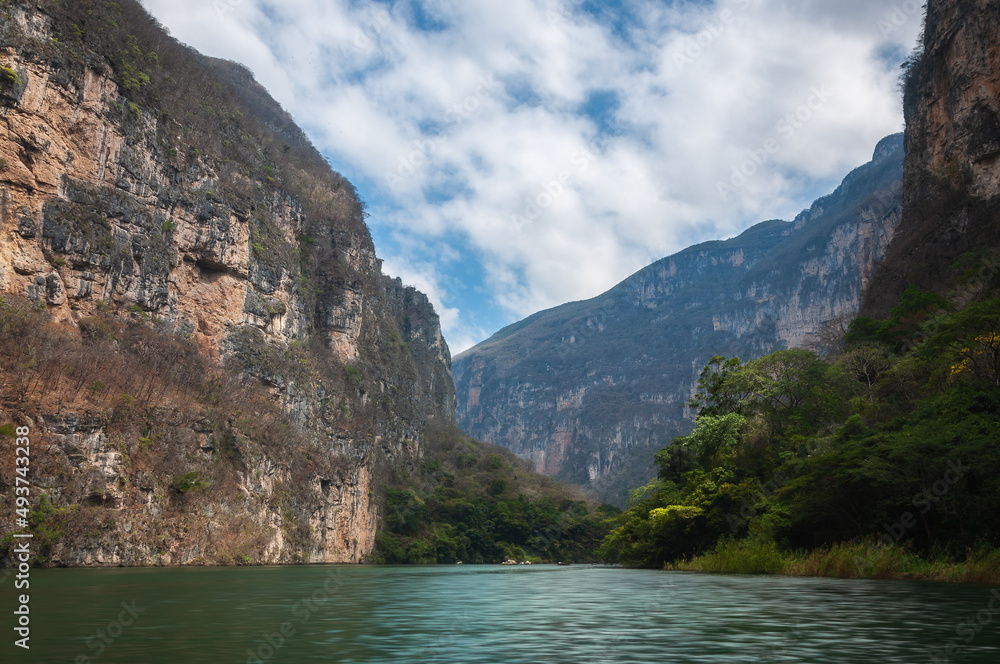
x,y
9,77
217,115
652,337
353,375
847,560
189,482
147,386
881,461
48,525
131,61
478,503
136,309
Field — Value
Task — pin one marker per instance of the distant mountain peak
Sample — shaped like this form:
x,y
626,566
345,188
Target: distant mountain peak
x,y
589,390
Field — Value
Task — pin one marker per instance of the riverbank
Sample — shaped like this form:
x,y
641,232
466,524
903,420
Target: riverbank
x,y
851,560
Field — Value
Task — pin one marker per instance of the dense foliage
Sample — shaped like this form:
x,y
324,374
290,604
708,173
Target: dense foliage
x,y
894,442
618,367
478,503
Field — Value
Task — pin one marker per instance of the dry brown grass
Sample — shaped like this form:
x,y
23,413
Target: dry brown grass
x,y
153,398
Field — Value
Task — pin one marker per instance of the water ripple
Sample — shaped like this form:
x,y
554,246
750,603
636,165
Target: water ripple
x,y
493,615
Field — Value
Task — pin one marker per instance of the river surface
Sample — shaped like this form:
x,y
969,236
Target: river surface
x,y
490,614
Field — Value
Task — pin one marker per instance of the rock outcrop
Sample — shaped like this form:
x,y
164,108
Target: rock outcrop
x,y
143,183
589,390
952,170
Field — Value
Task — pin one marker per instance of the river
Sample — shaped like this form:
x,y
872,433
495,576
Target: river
x,y
490,614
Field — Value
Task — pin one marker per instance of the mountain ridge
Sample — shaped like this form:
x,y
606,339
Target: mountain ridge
x,y
743,293
885,148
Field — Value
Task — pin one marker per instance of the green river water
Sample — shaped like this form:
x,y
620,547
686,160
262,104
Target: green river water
x,y
490,614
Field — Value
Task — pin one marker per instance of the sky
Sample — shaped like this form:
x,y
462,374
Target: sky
x,y
519,154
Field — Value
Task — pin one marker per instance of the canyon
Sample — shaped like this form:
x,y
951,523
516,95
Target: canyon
x,y
151,195
588,391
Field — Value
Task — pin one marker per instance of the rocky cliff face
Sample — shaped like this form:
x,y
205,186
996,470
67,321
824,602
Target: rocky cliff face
x,y
204,212
590,389
952,172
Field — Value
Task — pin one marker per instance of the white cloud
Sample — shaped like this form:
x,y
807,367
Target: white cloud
x,y
698,84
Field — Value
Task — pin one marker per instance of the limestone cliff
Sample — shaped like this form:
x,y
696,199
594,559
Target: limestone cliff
x,y
142,184
952,170
590,389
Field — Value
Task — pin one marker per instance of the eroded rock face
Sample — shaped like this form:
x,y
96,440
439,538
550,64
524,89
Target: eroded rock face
x,y
588,391
952,172
125,515
105,207
90,209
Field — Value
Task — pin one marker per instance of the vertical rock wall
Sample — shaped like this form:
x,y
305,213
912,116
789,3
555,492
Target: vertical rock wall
x,y
112,210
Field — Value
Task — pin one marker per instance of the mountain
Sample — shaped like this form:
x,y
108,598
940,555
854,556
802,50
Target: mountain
x,y
589,390
952,170
195,326
815,466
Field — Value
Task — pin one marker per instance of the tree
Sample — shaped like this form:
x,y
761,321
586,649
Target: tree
x,y
867,363
714,436
974,335
715,394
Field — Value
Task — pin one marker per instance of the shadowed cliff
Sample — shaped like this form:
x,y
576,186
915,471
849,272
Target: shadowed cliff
x,y
589,390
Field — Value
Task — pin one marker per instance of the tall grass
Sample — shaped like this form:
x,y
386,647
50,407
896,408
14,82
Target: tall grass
x,y
847,560
750,556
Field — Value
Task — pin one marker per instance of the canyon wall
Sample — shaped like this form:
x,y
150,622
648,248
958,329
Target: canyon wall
x,y
951,193
143,185
589,390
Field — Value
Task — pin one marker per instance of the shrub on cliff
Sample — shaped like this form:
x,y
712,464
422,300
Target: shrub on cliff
x,y
149,394
9,77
